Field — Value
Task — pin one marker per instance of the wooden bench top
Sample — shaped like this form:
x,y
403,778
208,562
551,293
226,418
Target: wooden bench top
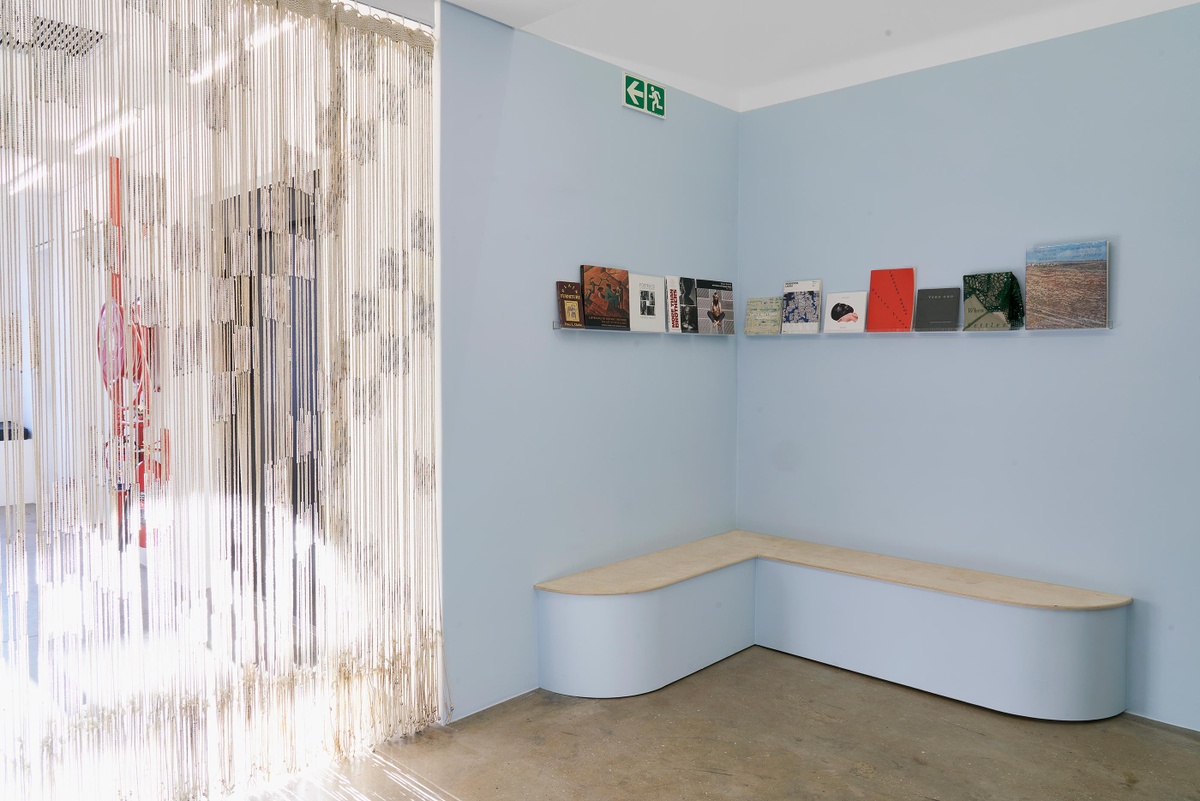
x,y
663,568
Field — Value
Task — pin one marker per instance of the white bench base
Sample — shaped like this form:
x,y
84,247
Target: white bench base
x,y
1055,664
610,646
1050,663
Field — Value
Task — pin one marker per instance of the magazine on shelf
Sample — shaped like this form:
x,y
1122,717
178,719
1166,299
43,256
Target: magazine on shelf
x,y
570,304
605,297
845,312
763,316
714,307
890,302
802,307
647,310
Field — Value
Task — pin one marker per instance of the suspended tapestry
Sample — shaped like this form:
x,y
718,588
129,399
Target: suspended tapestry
x,y
220,553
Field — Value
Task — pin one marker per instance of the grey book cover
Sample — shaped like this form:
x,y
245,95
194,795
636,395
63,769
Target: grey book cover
x,y
937,309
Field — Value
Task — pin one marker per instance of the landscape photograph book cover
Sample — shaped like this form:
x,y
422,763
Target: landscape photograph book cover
x,y
845,312
1066,286
763,316
937,309
714,307
890,302
802,307
570,304
648,309
605,297
992,302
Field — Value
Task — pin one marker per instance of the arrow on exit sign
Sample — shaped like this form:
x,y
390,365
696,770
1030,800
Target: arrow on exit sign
x,y
644,96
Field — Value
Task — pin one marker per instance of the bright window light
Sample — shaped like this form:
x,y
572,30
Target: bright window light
x,y
106,132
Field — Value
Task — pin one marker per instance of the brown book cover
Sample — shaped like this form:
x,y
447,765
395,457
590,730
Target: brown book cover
x,y
605,297
570,304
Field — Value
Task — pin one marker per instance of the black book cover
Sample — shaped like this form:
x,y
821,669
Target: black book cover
x,y
714,307
937,309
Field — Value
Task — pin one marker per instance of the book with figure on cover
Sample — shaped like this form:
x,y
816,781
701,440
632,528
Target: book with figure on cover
x,y
1066,286
605,297
992,302
890,303
845,312
570,304
763,316
647,310
802,307
714,306
671,295
681,305
937,309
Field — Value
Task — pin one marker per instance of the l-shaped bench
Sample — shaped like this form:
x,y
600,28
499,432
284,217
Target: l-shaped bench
x,y
1014,645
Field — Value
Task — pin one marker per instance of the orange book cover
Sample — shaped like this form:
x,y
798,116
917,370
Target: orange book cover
x,y
890,302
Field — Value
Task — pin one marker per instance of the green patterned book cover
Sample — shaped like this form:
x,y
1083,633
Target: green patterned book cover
x,y
992,302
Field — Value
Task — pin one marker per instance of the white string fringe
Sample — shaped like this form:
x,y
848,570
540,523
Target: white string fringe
x,y
217,315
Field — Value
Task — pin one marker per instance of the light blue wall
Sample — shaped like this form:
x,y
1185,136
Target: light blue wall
x,y
568,449
1067,457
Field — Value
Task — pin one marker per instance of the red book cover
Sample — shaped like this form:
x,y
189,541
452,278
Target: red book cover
x,y
890,301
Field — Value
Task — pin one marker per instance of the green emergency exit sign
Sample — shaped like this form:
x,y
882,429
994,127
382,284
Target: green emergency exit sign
x,y
644,96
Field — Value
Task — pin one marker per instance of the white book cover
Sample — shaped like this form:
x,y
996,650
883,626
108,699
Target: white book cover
x,y
672,298
681,305
802,307
646,303
845,312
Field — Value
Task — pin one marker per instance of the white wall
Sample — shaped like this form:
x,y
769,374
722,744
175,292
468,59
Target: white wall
x,y
1067,457
568,449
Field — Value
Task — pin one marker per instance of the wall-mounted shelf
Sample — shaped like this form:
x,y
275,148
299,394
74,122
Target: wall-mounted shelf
x,y
959,332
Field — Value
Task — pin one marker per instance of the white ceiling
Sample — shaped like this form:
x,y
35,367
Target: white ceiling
x,y
745,54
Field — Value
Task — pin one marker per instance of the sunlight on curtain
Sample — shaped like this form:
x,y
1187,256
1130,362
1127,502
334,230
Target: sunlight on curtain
x,y
217,321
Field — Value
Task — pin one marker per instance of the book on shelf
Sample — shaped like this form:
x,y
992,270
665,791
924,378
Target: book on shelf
x,y
764,316
1066,286
937,309
890,302
992,302
570,304
845,312
647,309
605,297
714,306
681,305
802,307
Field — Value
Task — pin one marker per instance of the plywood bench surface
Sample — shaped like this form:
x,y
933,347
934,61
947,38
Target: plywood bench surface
x,y
673,565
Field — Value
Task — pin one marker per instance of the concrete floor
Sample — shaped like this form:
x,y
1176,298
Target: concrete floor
x,y
765,725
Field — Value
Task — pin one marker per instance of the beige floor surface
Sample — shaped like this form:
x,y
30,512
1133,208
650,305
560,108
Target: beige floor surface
x,y
766,725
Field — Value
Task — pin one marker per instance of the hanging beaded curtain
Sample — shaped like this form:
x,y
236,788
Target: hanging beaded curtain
x,y
217,321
